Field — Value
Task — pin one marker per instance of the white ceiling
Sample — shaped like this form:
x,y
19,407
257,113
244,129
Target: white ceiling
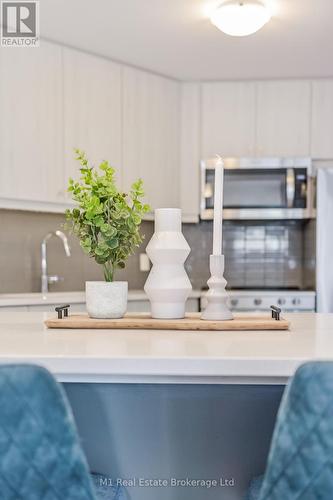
x,y
175,37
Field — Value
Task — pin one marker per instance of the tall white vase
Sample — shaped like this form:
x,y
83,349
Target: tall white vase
x,y
168,285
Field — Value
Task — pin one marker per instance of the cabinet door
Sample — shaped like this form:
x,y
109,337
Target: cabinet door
x,y
322,119
31,168
190,152
92,111
151,136
283,118
228,119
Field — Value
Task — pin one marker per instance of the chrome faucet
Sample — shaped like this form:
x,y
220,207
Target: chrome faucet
x,y
45,279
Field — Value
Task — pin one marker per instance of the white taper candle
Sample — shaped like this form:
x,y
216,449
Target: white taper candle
x,y
218,207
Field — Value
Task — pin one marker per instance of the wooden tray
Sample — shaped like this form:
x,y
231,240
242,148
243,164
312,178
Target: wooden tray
x,y
192,321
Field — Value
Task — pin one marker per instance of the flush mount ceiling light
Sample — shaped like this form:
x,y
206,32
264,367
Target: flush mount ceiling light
x,y
240,18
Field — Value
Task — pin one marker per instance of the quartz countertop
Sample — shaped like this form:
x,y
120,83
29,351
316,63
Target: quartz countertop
x,y
30,299
37,298
138,356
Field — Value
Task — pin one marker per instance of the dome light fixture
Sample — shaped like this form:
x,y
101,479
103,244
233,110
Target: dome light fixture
x,y
240,17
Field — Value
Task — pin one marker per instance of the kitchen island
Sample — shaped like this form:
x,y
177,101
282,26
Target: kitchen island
x,y
171,404
142,356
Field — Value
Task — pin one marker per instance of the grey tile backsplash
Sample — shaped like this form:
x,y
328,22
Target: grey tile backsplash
x,y
264,255
258,255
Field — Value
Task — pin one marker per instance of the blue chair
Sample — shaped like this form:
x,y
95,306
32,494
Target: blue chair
x,y
300,461
40,454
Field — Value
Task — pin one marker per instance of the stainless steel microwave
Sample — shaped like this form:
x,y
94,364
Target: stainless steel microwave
x,y
261,188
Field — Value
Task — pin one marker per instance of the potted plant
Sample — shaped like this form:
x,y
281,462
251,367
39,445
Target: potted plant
x,y
107,223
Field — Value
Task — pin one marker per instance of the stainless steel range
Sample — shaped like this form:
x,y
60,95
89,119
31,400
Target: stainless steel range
x,y
261,300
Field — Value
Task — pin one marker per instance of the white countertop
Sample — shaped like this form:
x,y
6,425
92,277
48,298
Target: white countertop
x,y
30,299
166,356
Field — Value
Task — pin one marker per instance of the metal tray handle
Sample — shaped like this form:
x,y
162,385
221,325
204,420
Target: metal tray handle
x,y
276,311
62,309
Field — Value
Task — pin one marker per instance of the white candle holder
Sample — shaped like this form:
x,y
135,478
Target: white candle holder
x,y
216,308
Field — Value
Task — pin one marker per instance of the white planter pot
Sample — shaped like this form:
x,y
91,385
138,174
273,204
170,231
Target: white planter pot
x,y
168,285
106,300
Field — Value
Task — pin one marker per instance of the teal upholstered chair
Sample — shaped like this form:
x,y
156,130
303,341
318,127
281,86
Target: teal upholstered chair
x,y
300,462
40,454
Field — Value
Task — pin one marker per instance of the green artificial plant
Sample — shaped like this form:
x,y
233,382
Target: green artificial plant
x,y
106,221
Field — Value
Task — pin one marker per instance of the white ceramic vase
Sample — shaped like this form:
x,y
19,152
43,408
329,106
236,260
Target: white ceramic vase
x,y
106,300
168,285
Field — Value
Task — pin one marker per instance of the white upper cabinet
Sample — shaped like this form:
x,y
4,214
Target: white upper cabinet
x,y
283,118
31,164
228,119
322,119
92,111
190,151
55,99
151,107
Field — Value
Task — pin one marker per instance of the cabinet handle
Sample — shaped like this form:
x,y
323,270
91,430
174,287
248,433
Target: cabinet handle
x,y
290,187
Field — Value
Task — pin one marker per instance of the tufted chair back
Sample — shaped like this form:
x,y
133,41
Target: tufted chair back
x,y
300,462
40,454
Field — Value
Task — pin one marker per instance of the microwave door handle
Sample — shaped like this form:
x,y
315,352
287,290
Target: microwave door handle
x,y
290,187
